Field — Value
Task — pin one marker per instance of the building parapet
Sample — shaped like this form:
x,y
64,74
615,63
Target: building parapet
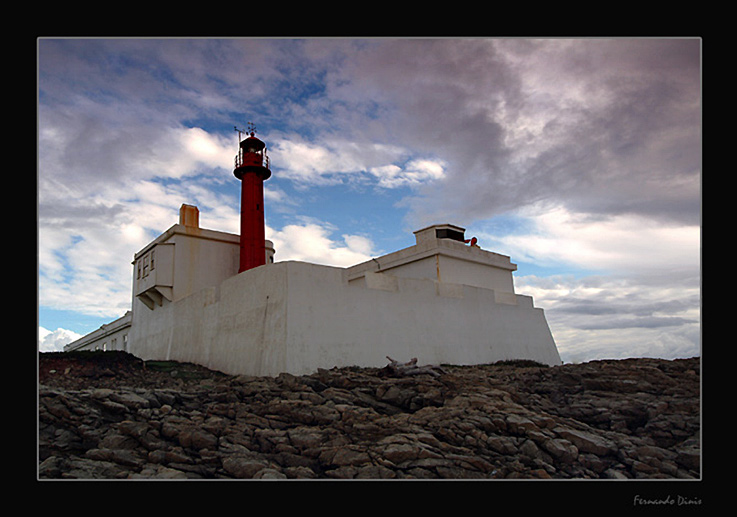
x,y
433,241
97,337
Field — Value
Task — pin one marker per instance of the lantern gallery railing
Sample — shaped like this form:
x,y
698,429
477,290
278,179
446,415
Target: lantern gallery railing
x,y
239,159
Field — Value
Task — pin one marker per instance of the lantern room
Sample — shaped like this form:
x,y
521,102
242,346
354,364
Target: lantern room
x,y
252,157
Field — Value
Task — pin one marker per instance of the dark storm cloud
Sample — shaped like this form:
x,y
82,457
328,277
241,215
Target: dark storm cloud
x,y
639,152
108,108
604,306
70,214
601,126
648,322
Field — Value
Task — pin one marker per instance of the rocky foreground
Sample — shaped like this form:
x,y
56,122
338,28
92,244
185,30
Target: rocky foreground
x,y
112,416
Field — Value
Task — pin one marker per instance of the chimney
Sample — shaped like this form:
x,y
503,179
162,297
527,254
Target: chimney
x,y
189,216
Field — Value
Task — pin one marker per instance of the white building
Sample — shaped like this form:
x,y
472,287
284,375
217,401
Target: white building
x,y
110,336
440,301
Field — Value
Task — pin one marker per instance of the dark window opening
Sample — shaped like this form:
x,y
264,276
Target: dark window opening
x,y
446,233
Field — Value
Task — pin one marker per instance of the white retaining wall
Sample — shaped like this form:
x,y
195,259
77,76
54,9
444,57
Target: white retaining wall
x,y
296,317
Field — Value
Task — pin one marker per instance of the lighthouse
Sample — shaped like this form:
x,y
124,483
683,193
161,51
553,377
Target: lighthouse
x,y
252,168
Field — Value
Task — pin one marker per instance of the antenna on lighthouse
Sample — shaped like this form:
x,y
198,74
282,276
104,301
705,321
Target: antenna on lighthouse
x,y
240,132
251,128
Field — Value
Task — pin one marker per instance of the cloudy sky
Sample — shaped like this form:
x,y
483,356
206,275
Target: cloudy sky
x,y
578,158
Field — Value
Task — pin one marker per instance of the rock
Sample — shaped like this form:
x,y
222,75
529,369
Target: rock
x,y
159,472
375,472
593,463
630,419
269,473
138,431
587,442
116,440
305,437
243,468
124,457
197,439
560,449
501,445
84,468
614,474
52,467
400,452
114,407
654,452
299,473
130,400
689,457
520,425
529,449
342,456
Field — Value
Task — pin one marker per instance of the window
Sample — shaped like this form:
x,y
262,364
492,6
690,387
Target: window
x,y
447,233
145,266
152,259
139,269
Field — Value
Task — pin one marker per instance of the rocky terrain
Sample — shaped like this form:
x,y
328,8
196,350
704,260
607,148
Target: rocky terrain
x,y
109,415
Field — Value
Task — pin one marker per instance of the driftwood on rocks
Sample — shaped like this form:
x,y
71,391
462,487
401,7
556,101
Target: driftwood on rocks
x,y
411,368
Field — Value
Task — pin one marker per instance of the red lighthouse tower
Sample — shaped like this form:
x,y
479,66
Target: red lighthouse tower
x,y
252,168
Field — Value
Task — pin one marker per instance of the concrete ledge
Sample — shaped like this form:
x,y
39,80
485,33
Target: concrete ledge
x,y
381,281
449,290
505,298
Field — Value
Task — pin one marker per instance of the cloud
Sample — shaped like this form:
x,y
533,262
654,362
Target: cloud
x,y
312,242
78,151
601,126
622,242
612,317
166,79
89,229
416,172
54,341
641,322
641,296
114,165
332,161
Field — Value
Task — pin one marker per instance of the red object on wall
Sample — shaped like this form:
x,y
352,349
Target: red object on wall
x,y
252,168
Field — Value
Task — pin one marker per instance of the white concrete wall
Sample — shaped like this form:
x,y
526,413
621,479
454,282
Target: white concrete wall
x,y
458,271
203,260
248,327
296,317
331,323
239,327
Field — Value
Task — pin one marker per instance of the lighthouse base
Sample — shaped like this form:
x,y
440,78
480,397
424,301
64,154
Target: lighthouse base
x,y
440,301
